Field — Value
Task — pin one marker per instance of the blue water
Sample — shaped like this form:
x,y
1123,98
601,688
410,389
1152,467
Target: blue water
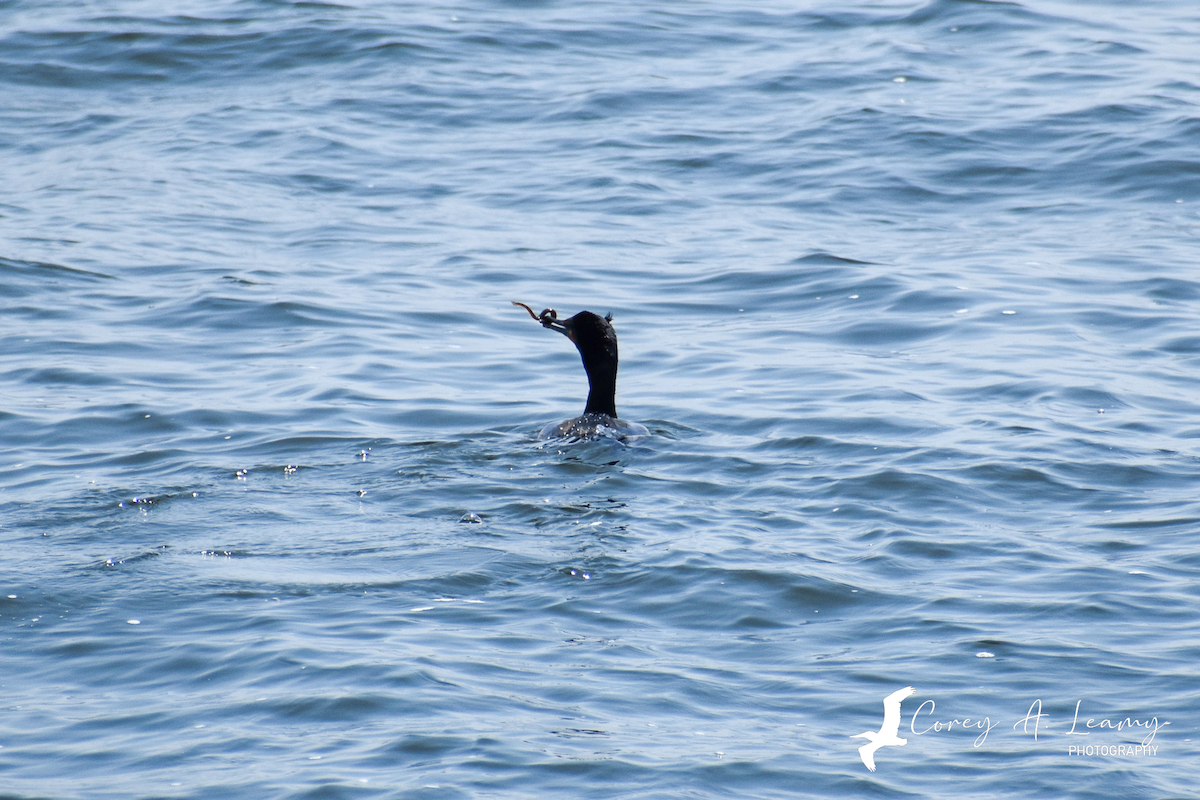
x,y
907,294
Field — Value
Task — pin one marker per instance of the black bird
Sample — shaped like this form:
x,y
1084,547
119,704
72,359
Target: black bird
x,y
596,341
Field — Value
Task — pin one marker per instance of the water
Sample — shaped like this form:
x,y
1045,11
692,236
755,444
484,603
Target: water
x,y
906,294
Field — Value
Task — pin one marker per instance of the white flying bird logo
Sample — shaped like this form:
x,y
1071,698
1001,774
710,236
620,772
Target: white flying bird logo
x,y
887,732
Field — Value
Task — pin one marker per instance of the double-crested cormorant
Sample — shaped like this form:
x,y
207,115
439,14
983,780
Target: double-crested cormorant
x,y
596,341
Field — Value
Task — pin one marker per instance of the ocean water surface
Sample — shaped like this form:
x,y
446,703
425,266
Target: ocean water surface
x,y
907,295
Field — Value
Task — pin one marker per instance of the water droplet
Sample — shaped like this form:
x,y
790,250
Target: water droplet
x,y
470,517
1010,313
134,621
362,492
899,79
984,654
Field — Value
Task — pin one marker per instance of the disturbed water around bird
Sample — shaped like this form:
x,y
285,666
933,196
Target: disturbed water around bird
x,y
907,296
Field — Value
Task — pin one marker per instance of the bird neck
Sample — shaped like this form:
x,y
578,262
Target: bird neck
x,y
602,389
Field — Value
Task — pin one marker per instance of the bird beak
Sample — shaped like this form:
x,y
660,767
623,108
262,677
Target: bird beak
x,y
560,325
549,319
